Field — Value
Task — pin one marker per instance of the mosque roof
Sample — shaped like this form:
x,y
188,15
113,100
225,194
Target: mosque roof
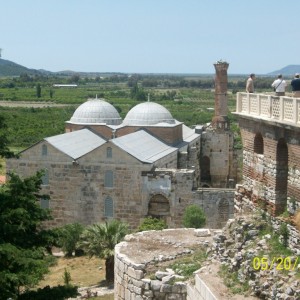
x,y
188,134
148,113
96,111
77,143
143,146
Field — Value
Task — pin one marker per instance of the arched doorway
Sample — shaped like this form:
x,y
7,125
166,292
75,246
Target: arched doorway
x,y
258,146
159,206
282,158
205,169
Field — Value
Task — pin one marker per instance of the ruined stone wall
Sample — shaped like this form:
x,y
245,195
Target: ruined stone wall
x,y
178,188
243,204
267,175
141,261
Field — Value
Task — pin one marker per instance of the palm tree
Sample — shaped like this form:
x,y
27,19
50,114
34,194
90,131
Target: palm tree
x,y
100,240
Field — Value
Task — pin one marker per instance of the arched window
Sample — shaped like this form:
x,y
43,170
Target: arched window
x,y
258,144
109,152
44,150
109,179
45,177
108,207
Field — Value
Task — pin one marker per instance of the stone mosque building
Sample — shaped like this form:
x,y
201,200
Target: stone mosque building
x,y
148,164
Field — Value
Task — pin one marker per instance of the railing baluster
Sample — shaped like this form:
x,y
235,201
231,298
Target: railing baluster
x,y
283,109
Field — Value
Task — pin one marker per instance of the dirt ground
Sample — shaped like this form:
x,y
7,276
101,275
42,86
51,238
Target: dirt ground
x,y
84,271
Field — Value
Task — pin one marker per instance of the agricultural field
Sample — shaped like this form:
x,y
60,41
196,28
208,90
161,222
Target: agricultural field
x,y
189,99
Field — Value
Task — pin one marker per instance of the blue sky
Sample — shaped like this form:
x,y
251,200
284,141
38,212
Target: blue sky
x,y
157,36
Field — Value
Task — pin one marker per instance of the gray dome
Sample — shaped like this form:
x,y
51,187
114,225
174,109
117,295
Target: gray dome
x,y
96,111
148,113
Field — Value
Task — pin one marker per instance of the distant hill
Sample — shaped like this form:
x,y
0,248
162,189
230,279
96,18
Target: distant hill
x,y
289,70
9,68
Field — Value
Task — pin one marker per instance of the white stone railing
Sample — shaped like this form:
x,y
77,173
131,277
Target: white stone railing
x,y
281,109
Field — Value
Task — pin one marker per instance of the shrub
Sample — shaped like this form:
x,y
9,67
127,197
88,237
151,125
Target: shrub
x,y
284,232
68,238
51,293
150,223
194,217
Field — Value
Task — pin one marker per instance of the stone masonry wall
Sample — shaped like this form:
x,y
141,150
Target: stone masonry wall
x,y
264,174
244,205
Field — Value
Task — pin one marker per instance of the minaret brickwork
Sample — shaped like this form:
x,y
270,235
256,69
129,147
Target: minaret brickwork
x,y
220,119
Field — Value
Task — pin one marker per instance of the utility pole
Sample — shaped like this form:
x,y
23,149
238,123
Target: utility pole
x,y
0,52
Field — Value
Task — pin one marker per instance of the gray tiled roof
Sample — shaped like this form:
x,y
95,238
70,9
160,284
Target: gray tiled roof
x,y
77,143
188,134
143,146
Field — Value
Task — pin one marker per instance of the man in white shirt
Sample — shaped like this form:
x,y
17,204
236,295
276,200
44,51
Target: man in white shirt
x,y
279,86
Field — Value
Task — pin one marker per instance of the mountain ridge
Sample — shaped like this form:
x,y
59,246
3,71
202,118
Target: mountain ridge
x,y
10,68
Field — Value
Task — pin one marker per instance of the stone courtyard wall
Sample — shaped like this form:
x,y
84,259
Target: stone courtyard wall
x,y
139,251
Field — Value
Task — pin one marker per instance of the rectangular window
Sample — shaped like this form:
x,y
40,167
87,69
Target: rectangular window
x,y
108,207
109,152
44,150
45,177
44,203
109,179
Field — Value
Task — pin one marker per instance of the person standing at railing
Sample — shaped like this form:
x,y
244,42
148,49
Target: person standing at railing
x,y
250,83
295,83
279,86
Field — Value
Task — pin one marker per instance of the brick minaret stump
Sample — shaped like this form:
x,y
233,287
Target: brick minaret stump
x,y
220,119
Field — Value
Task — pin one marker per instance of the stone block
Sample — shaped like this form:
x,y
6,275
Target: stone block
x,y
156,285
131,272
202,232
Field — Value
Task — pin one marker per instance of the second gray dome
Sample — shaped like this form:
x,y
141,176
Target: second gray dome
x,y
148,113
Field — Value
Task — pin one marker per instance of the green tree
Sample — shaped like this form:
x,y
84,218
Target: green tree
x,y
4,150
194,217
100,239
22,239
38,90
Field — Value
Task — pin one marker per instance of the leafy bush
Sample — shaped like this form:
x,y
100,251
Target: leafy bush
x,y
284,232
150,223
69,236
194,217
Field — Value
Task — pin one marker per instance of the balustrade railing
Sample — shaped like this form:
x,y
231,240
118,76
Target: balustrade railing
x,y
282,109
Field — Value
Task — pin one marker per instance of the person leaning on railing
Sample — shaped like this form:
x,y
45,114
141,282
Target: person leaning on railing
x,y
250,83
279,86
295,83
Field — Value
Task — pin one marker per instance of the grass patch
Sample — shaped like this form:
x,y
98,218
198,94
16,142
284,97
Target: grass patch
x,y
84,272
230,279
188,265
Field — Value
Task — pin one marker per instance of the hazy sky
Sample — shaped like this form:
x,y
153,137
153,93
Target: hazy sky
x,y
157,36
